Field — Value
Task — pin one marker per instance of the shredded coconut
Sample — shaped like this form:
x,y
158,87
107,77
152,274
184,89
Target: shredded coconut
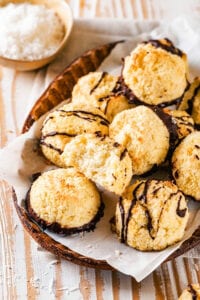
x,y
29,32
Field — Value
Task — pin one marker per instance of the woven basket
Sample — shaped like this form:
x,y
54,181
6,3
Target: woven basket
x,y
59,90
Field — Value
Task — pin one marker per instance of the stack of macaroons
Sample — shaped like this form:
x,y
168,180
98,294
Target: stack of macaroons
x,y
115,129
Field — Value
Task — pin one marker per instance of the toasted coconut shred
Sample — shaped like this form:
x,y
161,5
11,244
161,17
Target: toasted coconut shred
x,y
29,32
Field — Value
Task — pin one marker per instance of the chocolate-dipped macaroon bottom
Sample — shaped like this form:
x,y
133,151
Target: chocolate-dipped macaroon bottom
x,y
155,73
127,92
64,201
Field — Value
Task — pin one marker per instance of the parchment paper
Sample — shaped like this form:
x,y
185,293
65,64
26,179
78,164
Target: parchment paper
x,y
20,159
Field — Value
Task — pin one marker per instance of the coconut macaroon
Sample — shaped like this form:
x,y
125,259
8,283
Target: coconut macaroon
x,y
99,89
155,72
191,101
65,123
151,215
145,136
192,292
186,165
100,159
65,201
183,121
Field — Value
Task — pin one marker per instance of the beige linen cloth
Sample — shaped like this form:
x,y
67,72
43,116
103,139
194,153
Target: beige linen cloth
x,y
86,34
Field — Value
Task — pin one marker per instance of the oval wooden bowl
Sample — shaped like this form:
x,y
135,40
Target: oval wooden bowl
x,y
62,9
59,90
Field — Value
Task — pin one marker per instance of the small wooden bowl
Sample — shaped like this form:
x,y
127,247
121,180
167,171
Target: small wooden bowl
x,y
62,9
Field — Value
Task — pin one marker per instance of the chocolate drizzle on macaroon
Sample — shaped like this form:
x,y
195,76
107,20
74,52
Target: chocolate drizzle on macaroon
x,y
54,133
85,115
123,154
192,291
98,82
181,212
48,145
171,126
100,135
190,102
125,222
166,45
184,120
141,195
116,92
51,134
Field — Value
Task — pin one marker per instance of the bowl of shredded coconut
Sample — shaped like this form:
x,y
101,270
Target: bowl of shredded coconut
x,y
33,33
